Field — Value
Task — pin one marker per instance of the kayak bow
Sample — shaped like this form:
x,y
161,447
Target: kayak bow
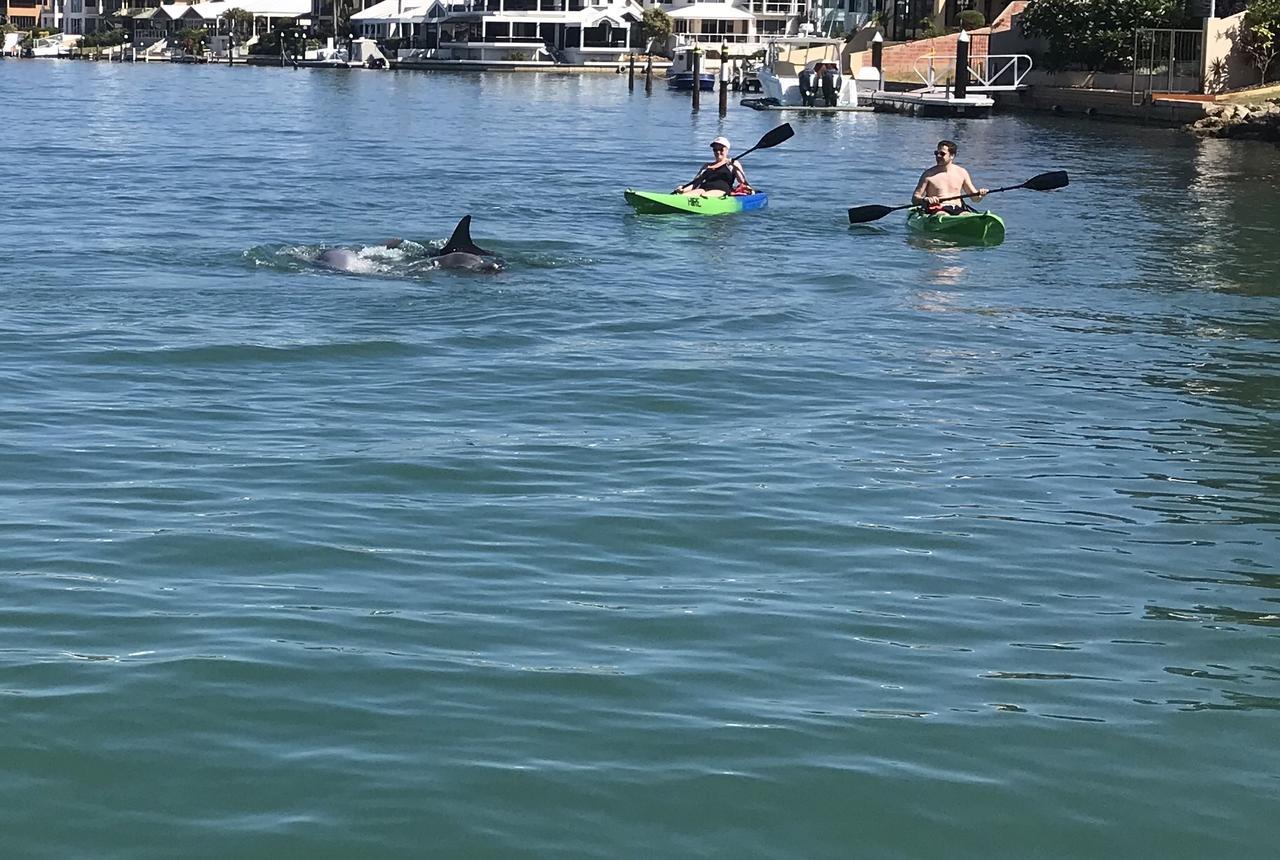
x,y
654,203
967,226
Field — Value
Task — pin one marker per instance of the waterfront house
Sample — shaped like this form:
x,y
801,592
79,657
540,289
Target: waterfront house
x,y
513,32
23,14
150,25
398,19
745,26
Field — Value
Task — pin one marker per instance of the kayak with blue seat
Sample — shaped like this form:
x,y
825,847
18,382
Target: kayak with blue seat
x,y
656,203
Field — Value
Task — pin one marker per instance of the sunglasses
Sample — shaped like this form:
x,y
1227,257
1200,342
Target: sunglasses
x,y
940,152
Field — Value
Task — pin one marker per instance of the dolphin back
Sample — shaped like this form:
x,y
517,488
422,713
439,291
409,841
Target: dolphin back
x,y
460,242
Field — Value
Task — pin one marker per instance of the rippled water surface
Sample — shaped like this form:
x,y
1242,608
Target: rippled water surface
x,y
759,536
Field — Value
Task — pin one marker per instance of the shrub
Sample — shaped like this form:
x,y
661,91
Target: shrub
x,y
972,19
192,39
1095,34
104,39
1260,34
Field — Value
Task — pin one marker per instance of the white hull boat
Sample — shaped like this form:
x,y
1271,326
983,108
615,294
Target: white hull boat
x,y
805,71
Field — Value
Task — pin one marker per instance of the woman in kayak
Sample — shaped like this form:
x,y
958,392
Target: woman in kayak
x,y
945,179
717,178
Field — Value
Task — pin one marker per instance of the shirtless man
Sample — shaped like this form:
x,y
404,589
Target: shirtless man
x,y
945,179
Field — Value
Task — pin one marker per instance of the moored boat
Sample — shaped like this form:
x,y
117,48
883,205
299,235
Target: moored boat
x,y
684,59
804,71
985,227
657,203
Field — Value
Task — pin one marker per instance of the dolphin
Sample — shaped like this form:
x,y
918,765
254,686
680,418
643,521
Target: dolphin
x,y
363,261
463,254
340,259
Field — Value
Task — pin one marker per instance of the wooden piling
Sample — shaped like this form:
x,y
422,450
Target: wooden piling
x,y
697,78
631,74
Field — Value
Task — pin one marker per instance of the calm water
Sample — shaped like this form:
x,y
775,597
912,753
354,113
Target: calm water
x,y
744,537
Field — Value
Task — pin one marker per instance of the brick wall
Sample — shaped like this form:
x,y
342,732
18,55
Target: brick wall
x,y
900,59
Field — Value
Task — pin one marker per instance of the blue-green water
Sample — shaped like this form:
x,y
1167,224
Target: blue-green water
x,y
747,537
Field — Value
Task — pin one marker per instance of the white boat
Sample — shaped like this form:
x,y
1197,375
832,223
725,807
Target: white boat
x,y
57,45
680,74
804,71
328,58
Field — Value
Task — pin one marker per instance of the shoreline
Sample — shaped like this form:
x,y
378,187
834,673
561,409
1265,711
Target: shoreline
x,y
1239,115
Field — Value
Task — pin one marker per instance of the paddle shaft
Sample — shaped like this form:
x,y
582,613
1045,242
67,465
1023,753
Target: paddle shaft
x,y
772,137
1042,182
963,196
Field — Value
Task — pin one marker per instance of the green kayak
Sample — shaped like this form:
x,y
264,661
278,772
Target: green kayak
x,y
965,227
654,203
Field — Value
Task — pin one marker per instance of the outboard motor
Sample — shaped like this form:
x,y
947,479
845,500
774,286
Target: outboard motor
x,y
831,85
808,87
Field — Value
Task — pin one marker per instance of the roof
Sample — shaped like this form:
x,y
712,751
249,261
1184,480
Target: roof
x,y
259,8
400,10
712,12
581,17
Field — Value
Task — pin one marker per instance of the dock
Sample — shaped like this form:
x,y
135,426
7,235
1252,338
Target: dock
x,y
933,102
772,105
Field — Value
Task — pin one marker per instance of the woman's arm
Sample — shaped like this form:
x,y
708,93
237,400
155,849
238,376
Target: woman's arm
x,y
688,186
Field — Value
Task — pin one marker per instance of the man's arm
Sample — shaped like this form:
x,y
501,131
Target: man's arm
x,y
969,188
917,196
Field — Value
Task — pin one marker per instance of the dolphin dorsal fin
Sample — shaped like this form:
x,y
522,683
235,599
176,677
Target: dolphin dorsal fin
x,y
460,241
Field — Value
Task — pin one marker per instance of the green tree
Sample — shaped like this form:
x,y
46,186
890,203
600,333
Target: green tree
x,y
1259,36
239,22
192,39
655,26
1095,34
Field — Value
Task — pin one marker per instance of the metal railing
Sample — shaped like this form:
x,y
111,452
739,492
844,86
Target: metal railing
x,y
987,72
1171,58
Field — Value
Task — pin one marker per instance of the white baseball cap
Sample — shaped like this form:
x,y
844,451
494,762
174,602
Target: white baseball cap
x,y
722,141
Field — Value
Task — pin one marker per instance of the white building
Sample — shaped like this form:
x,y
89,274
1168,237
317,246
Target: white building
x,y
166,20
507,32
744,26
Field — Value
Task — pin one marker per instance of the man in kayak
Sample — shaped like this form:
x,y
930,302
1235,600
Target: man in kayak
x,y
945,179
719,177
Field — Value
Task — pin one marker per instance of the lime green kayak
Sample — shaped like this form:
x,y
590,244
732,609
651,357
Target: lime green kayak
x,y
654,203
967,226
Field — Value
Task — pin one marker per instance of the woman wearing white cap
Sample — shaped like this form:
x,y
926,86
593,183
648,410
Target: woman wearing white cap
x,y
719,177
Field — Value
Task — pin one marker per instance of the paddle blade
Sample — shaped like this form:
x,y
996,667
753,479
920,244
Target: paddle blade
x,y
872,212
775,136
1047,181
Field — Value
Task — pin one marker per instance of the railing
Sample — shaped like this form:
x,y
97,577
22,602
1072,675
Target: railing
x,y
774,7
987,72
1166,57
715,39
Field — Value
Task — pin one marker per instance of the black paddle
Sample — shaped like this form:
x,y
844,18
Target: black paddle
x,y
1044,182
772,137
